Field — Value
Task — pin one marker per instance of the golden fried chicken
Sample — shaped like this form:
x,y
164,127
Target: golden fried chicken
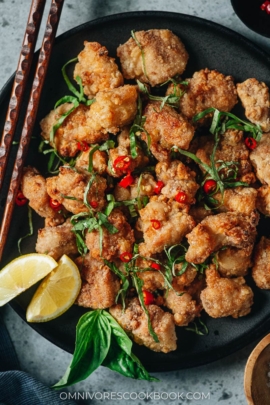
x,y
238,199
261,264
199,212
144,185
113,244
263,200
155,56
207,88
100,285
255,99
233,262
184,308
226,296
177,178
69,188
134,320
99,161
215,231
57,241
34,188
74,129
260,159
163,224
166,128
96,69
185,279
152,278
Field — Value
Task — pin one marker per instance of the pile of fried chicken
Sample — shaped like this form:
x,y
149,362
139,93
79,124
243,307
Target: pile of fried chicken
x,y
227,232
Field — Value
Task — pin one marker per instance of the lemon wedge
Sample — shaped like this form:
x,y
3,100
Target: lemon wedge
x,y
56,293
23,272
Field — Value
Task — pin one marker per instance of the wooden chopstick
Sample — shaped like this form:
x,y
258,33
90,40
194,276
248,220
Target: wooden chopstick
x,y
20,80
29,121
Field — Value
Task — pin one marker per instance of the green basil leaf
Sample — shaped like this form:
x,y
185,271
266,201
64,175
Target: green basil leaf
x,y
103,219
93,339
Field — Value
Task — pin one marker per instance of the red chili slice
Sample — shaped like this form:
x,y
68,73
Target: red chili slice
x,y
209,186
20,199
54,204
122,163
250,143
155,266
156,224
267,8
83,146
126,181
125,257
181,197
148,297
94,204
158,187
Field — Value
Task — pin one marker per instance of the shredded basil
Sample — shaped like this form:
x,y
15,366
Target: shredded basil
x,y
31,229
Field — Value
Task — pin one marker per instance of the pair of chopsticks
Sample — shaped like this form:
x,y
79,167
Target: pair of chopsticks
x,y
17,94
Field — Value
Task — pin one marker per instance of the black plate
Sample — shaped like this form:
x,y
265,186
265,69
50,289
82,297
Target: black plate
x,y
250,13
209,45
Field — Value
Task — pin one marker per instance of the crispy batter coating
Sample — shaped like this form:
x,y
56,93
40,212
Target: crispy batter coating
x,y
260,159
263,200
57,240
34,188
166,128
199,212
184,308
113,245
207,88
226,297
152,279
97,70
74,129
233,262
254,96
100,285
164,56
69,186
261,264
113,109
144,185
134,320
185,279
174,225
99,159
238,199
215,231
177,177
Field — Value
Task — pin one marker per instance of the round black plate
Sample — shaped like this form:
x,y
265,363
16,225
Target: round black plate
x,y
209,45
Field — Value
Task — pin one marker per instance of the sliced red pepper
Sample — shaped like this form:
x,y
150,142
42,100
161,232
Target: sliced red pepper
x,y
155,266
267,8
83,146
122,163
159,185
125,257
181,197
156,224
148,297
209,186
126,181
20,199
54,204
250,143
94,204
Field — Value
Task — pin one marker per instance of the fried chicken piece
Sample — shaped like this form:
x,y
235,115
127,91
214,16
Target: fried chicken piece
x,y
185,279
263,200
99,160
260,159
113,244
143,186
238,199
255,99
69,186
164,56
152,279
226,296
233,262
74,129
57,240
207,88
134,320
100,285
166,128
261,264
177,178
174,225
97,70
199,212
215,231
33,187
184,308
123,149
113,109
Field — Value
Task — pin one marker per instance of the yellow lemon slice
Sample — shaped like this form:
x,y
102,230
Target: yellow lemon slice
x,y
56,293
22,273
